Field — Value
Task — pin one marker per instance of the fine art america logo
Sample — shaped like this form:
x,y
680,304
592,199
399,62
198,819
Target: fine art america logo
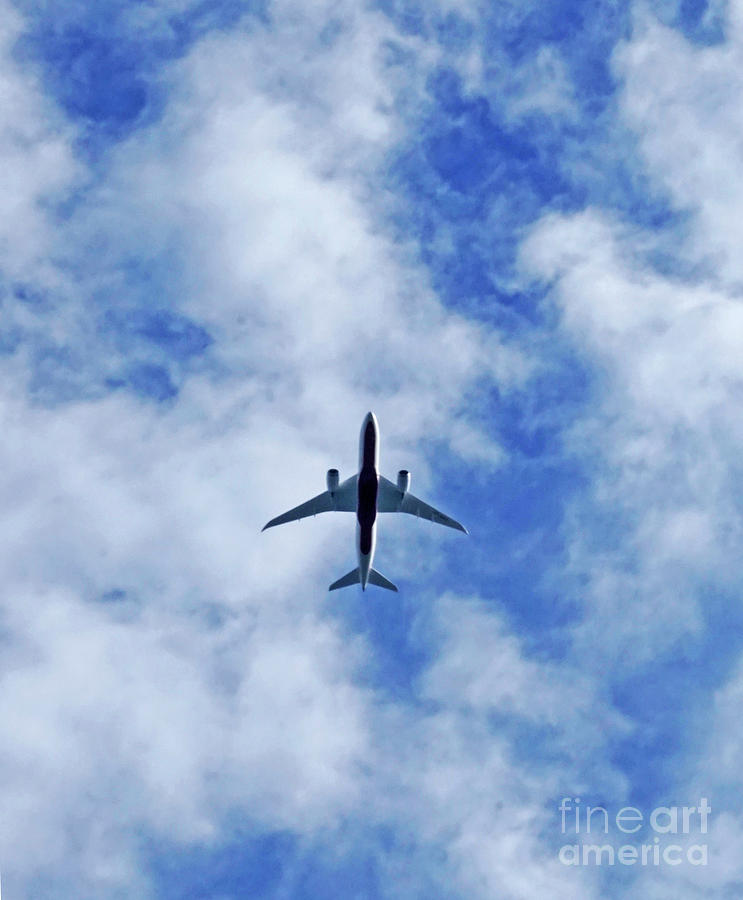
x,y
670,835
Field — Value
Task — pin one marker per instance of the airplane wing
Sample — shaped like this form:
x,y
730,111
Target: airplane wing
x,y
390,499
342,499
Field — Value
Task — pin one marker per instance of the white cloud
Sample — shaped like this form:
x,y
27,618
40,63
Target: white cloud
x,y
217,679
214,681
689,127
458,777
38,166
659,530
214,677
663,438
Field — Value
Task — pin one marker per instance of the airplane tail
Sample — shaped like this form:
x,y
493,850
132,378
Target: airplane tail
x,y
353,577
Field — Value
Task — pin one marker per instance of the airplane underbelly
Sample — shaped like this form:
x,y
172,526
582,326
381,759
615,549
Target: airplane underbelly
x,y
368,485
365,556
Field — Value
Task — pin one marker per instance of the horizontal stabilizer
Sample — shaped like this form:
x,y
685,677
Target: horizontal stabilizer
x,y
380,581
351,578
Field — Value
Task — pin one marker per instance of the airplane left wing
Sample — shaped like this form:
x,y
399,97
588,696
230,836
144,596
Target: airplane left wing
x,y
342,499
391,499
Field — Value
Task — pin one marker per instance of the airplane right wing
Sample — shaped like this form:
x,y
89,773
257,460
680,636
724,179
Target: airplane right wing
x,y
391,499
342,499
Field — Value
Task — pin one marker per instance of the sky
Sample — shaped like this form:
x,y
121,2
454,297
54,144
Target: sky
x,y
230,229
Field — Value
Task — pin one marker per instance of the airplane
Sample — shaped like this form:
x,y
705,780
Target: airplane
x,y
366,494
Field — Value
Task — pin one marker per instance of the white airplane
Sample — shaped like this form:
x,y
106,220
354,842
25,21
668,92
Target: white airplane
x,y
366,494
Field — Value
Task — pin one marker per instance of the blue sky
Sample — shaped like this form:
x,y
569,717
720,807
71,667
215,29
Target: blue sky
x,y
230,229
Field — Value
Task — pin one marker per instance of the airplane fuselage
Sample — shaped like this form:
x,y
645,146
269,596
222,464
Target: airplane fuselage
x,y
368,486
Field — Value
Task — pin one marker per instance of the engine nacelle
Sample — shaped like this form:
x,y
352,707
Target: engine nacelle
x,y
332,480
403,480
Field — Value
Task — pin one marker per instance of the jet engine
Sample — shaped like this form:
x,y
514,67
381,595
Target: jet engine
x,y
332,480
403,480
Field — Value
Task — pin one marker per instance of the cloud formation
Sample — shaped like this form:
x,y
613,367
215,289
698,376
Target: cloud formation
x,y
229,234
